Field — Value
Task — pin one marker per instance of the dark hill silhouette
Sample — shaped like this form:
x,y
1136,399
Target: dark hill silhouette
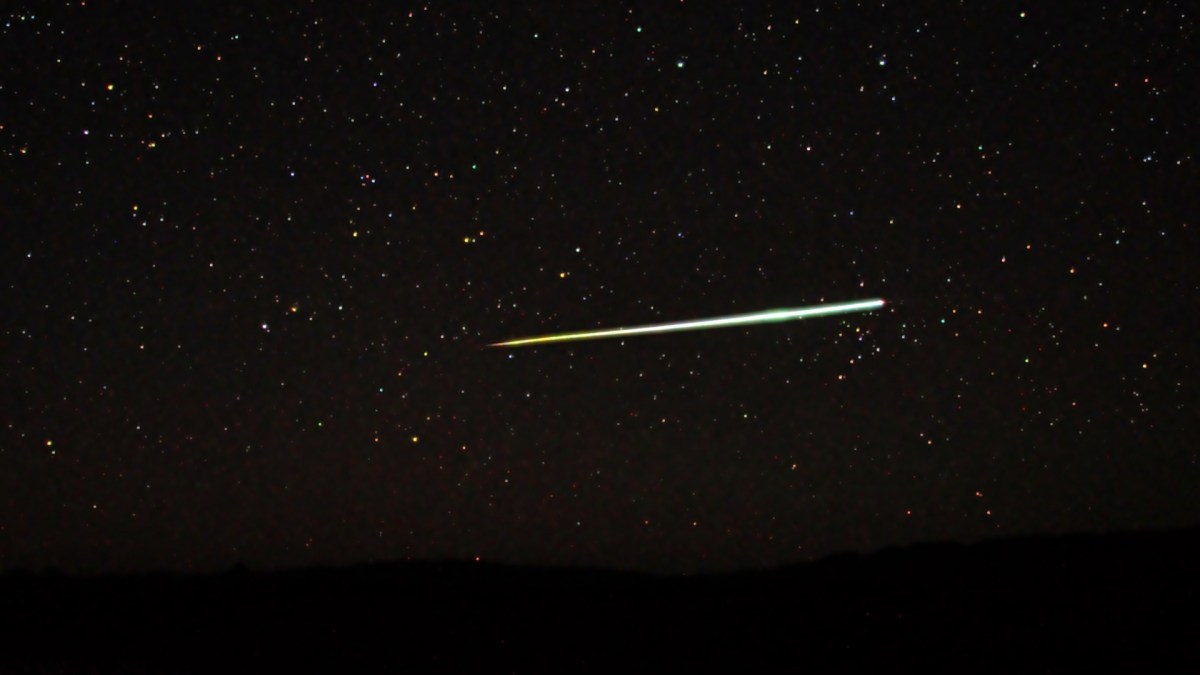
x,y
1046,604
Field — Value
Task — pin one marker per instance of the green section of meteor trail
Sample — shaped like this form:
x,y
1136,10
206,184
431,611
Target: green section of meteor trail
x,y
768,316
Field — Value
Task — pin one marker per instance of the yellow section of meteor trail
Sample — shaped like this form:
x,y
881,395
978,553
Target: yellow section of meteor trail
x,y
769,316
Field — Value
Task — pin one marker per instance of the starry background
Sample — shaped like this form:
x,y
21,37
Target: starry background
x,y
253,255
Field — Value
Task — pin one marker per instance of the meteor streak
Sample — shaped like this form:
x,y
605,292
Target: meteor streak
x,y
769,316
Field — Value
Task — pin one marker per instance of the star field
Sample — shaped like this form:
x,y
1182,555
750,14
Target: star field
x,y
253,256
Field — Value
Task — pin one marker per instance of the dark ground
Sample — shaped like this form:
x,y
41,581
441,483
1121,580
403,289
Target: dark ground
x,y
1124,601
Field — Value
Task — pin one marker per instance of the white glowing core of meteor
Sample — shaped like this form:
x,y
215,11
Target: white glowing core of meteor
x,y
702,324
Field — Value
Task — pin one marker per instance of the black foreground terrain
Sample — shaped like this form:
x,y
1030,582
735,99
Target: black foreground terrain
x,y
1125,601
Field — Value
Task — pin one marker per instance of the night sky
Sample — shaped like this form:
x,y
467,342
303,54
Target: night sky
x,y
253,256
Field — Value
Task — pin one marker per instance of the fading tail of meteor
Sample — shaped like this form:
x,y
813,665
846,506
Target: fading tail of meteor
x,y
769,316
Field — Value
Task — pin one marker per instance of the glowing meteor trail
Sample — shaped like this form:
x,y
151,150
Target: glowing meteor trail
x,y
769,316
